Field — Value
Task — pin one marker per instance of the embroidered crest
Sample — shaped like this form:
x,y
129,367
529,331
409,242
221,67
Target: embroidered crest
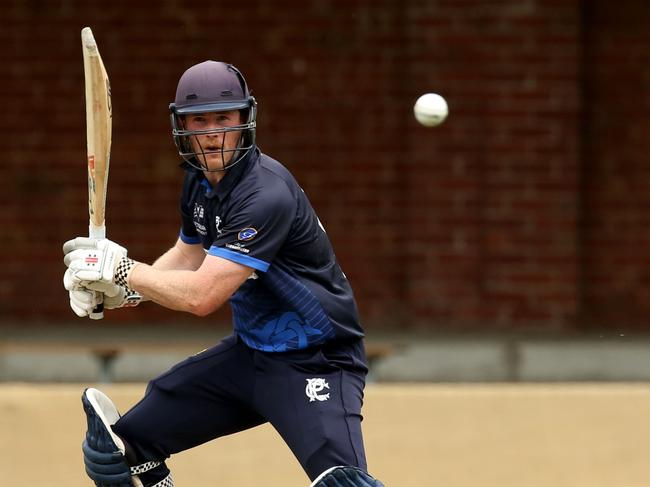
x,y
246,234
314,386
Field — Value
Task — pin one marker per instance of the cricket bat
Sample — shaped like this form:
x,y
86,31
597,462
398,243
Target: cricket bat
x,y
98,138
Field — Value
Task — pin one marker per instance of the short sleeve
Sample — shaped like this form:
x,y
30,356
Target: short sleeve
x,y
257,227
188,233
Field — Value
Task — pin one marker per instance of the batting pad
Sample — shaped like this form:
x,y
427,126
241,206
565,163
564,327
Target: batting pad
x,y
103,450
98,405
343,476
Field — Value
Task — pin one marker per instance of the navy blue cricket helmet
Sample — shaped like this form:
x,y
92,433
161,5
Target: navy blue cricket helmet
x,y
213,86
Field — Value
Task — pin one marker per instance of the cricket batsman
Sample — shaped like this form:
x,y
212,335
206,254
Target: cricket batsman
x,y
248,235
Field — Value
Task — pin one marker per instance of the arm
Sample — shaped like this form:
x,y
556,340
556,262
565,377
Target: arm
x,y
183,278
199,291
181,256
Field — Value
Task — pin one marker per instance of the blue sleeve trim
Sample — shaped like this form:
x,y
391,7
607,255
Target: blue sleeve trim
x,y
189,240
246,260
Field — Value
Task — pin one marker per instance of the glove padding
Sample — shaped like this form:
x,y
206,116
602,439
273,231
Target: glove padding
x,y
83,301
80,243
96,261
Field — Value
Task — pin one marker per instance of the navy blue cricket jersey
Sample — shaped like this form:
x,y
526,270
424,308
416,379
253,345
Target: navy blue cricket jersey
x,y
258,216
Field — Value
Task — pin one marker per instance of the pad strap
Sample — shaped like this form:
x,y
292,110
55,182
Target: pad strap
x,y
144,467
166,482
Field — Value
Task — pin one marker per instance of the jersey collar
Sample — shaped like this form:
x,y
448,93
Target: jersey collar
x,y
229,181
234,174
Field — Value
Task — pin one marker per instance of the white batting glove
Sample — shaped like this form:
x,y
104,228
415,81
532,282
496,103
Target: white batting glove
x,y
79,243
108,289
80,300
101,262
126,298
84,301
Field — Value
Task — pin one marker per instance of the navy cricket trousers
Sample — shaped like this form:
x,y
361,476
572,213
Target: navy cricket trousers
x,y
312,398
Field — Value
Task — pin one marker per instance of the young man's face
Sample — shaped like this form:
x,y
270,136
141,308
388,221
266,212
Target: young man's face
x,y
211,148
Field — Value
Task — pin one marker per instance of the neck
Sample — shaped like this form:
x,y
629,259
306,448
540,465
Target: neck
x,y
214,177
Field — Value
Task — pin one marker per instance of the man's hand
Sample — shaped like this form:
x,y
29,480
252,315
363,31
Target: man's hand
x,y
83,301
79,243
101,262
80,300
71,284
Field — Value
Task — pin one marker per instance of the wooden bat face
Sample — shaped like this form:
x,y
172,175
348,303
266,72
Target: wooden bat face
x,y
98,132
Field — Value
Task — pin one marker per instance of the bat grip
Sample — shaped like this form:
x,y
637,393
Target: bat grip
x,y
98,312
98,232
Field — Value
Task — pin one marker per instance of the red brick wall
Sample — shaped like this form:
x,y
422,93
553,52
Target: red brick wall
x,y
616,165
494,191
507,217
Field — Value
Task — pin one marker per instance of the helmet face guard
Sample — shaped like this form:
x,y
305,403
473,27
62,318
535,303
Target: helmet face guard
x,y
213,87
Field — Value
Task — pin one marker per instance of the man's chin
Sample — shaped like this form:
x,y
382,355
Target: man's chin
x,y
214,162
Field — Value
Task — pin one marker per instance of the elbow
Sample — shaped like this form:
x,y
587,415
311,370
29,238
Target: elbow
x,y
202,311
202,306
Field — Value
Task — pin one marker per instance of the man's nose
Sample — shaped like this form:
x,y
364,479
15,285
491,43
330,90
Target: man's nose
x,y
214,126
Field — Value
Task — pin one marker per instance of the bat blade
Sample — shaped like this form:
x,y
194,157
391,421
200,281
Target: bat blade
x,y
99,118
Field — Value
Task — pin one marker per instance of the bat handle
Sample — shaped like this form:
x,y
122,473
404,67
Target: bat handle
x,y
98,232
98,312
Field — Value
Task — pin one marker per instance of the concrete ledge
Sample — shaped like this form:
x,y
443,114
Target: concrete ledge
x,y
584,361
438,361
453,359
81,356
142,367
24,365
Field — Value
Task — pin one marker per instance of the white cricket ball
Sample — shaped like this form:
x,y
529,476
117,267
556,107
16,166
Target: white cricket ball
x,y
430,109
